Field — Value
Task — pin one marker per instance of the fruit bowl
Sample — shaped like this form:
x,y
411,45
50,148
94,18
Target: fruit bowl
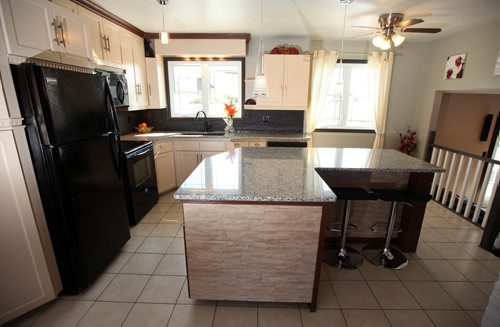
x,y
144,130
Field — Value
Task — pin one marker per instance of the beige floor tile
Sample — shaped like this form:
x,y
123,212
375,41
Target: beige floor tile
x,y
173,217
154,244
63,313
413,271
449,318
117,264
166,230
236,303
432,235
354,295
184,298
492,265
133,243
92,292
476,252
106,314
485,287
365,318
322,318
172,264
148,314
424,251
177,246
430,295
462,234
192,316
162,289
30,317
142,263
477,316
466,294
153,217
449,251
408,318
162,207
279,317
124,288
235,316
176,208
142,229
372,272
180,233
437,222
326,296
392,295
340,274
473,270
441,270
323,275
167,197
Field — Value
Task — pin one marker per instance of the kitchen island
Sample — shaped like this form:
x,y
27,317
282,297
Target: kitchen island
x,y
255,218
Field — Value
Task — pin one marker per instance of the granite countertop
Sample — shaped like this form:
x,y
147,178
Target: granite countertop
x,y
286,174
238,136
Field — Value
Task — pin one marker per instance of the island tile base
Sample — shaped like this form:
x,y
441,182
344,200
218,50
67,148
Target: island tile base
x,y
253,252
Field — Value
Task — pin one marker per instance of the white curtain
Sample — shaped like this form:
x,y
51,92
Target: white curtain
x,y
379,82
322,74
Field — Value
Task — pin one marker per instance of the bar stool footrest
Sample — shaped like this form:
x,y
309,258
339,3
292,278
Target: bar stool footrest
x,y
395,259
382,228
352,261
337,227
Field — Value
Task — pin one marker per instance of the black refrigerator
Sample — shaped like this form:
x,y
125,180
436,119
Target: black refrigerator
x,y
75,148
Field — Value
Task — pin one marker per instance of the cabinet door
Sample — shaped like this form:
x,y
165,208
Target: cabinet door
x,y
153,85
206,154
75,40
94,34
140,70
128,62
257,144
274,72
240,144
165,171
113,52
296,81
185,163
30,29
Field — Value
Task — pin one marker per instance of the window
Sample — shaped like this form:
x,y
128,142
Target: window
x,y
203,84
348,107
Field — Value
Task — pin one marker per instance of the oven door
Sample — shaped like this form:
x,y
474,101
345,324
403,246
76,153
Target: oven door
x,y
142,190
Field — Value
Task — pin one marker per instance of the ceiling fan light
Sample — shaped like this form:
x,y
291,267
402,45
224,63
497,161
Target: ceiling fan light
x,y
381,42
397,39
164,37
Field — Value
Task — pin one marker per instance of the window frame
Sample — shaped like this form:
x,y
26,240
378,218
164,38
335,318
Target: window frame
x,y
337,129
167,88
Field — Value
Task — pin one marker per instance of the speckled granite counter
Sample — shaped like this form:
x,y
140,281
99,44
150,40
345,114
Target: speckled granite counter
x,y
255,218
238,136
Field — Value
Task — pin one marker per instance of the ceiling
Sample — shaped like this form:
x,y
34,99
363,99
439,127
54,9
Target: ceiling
x,y
315,19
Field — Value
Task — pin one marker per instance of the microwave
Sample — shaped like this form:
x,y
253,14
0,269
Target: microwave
x,y
118,86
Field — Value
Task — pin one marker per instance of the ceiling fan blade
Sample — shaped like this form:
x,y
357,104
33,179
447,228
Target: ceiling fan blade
x,y
374,28
409,22
421,30
360,35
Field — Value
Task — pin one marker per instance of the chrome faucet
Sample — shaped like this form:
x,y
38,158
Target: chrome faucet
x,y
206,125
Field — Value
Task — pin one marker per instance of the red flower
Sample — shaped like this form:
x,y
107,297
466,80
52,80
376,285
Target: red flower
x,y
230,110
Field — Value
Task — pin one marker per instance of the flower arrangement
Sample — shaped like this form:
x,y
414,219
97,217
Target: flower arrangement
x,y
408,141
230,112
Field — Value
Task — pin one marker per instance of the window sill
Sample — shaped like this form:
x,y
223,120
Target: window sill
x,y
345,130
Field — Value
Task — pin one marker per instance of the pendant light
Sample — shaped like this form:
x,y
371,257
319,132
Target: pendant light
x,y
338,91
260,85
164,37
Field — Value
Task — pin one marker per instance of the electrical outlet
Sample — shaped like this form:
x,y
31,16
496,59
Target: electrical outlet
x,y
266,119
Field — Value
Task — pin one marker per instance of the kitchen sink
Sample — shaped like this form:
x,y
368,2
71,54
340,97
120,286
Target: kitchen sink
x,y
203,133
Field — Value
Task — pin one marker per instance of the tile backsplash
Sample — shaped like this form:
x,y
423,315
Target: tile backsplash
x,y
291,121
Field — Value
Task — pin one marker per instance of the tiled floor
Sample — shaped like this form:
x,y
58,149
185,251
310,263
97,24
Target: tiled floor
x,y
447,283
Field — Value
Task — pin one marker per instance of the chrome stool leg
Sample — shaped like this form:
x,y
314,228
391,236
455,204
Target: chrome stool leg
x,y
345,257
387,256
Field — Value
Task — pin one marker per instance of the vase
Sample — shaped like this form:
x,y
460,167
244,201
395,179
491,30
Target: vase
x,y
229,125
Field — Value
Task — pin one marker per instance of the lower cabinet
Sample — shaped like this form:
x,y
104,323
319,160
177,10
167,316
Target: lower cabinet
x,y
164,166
251,144
188,154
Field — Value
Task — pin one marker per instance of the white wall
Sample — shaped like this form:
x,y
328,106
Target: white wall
x,y
405,89
482,45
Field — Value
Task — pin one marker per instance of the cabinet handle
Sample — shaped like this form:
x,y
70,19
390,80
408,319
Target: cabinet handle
x,y
105,42
149,89
257,144
55,23
63,27
109,44
285,90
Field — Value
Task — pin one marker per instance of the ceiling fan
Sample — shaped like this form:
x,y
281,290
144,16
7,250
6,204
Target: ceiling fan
x,y
391,25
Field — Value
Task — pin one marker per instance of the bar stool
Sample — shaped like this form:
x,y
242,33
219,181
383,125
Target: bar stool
x,y
387,256
345,257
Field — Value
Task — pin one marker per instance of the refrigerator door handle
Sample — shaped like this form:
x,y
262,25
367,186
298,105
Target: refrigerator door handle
x,y
111,108
115,149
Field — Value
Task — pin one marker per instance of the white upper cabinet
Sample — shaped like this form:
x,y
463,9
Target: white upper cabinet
x,y
44,30
112,45
135,68
287,82
94,30
156,83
